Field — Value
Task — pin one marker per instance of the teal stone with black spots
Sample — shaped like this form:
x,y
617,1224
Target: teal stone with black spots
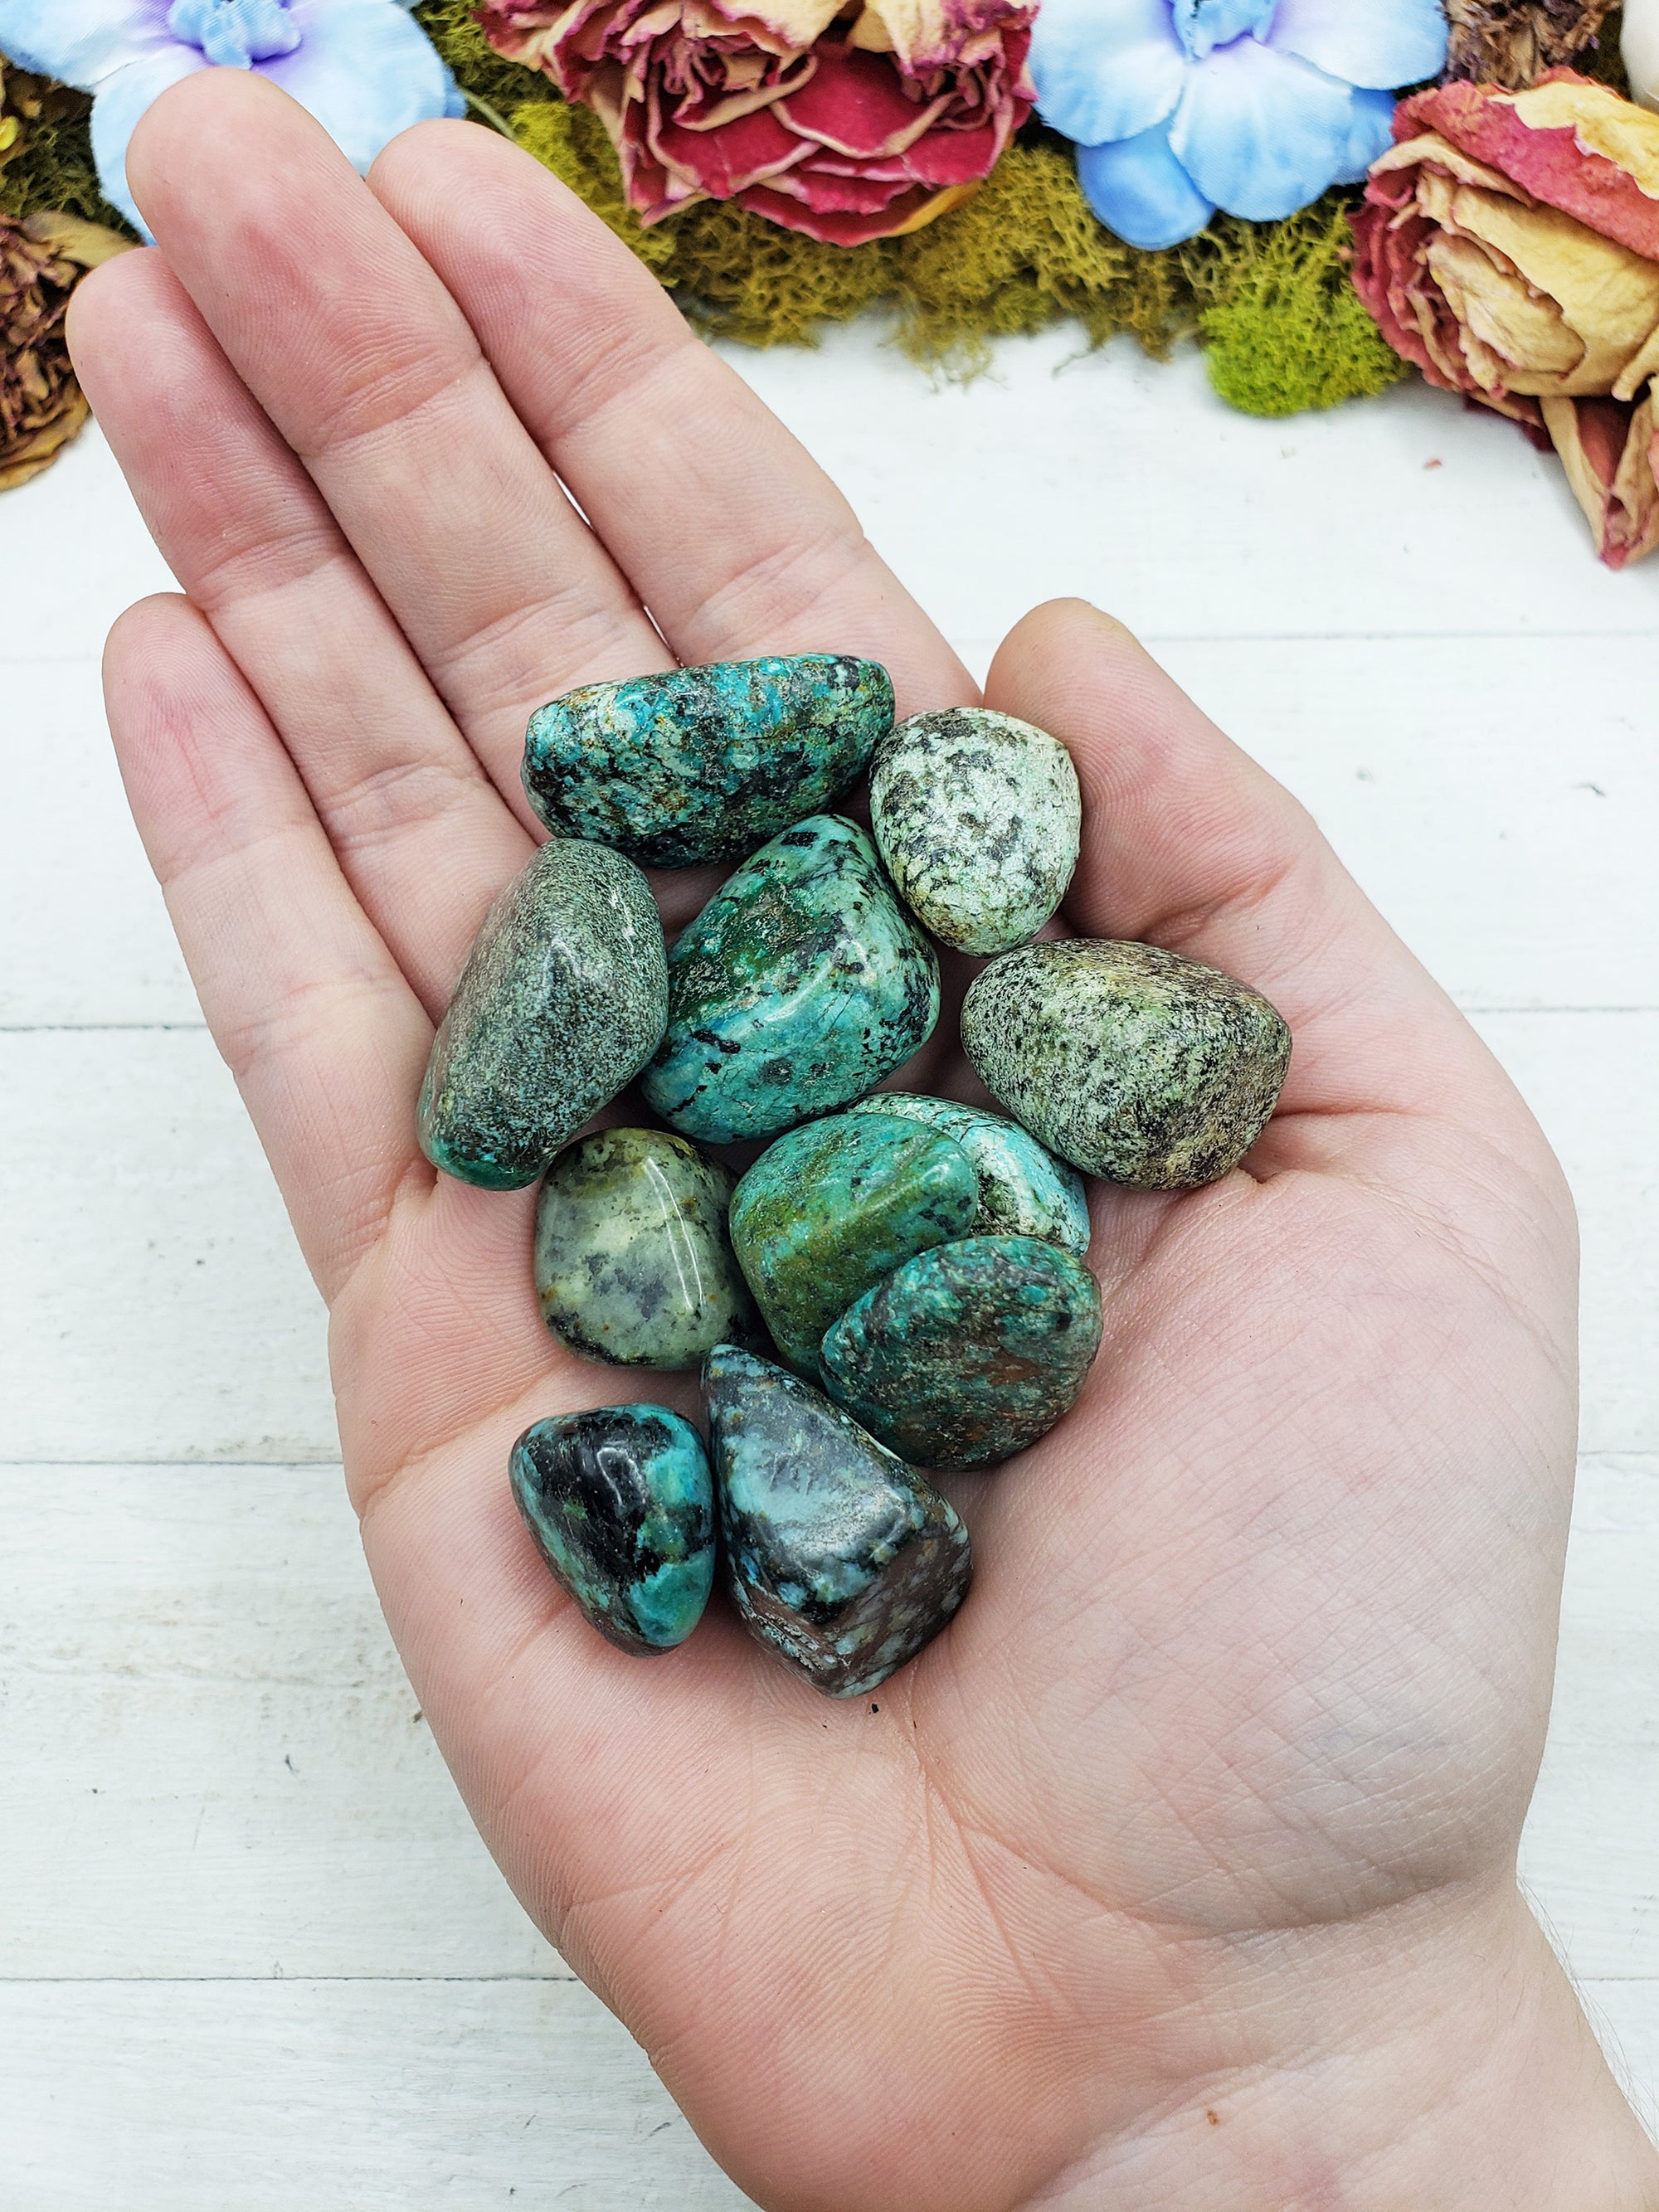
x,y
968,1353
621,1503
841,1559
563,998
799,986
705,763
828,1210
1024,1191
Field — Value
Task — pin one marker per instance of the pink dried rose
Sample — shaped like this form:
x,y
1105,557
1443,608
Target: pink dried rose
x,y
846,124
1509,245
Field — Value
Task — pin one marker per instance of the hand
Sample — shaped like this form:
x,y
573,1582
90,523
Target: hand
x,y
1182,1870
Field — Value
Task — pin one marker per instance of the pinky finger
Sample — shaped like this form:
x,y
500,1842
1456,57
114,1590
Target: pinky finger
x,y
324,1035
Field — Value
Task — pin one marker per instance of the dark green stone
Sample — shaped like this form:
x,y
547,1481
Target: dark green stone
x,y
621,1503
634,1264
1024,1190
705,763
840,1556
830,1209
563,1001
969,1353
1129,1061
797,988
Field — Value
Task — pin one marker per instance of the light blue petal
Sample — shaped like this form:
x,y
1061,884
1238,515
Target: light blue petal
x,y
121,100
1381,44
1370,134
1139,190
1201,26
81,42
1260,133
366,71
1105,69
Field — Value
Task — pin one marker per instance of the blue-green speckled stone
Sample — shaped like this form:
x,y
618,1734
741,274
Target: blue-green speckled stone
x,y
563,998
1024,1190
839,1556
621,1503
798,988
978,817
705,763
1129,1061
969,1352
828,1210
634,1264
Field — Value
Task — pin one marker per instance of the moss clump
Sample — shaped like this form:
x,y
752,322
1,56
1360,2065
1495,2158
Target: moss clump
x,y
49,163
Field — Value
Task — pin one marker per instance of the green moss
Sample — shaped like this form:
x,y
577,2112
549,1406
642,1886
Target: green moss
x,y
52,166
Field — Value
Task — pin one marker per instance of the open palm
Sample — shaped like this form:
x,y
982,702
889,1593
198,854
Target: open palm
x,y
1246,1706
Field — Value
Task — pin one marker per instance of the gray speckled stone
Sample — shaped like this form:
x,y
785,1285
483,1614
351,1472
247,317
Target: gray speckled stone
x,y
840,1556
563,998
634,1264
977,816
1127,1061
1024,1190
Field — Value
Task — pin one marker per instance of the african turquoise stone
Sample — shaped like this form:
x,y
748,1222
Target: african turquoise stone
x,y
797,988
830,1209
969,1352
977,816
1024,1190
840,1556
563,998
634,1264
705,763
1129,1061
621,1503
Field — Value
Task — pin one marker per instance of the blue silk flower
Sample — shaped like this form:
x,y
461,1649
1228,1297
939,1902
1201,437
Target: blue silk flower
x,y
1179,107
363,68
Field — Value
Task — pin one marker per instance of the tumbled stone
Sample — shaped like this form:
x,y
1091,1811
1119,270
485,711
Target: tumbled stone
x,y
705,763
969,1352
977,816
621,1503
563,998
1024,1190
798,988
634,1264
828,1210
1129,1061
841,1558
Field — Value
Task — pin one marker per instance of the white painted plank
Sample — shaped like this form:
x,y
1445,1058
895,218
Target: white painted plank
x,y
335,2097
88,557
1626,2015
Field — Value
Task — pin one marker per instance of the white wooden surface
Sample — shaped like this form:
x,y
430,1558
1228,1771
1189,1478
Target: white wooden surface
x,y
251,1955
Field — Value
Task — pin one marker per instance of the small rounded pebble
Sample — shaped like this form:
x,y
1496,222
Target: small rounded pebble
x,y
969,1353
1024,1190
621,1503
978,817
563,998
634,1264
705,763
1129,1061
840,1557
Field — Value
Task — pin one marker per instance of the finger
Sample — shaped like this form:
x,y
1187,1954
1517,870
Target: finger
x,y
369,371
322,1033
1189,844
421,833
733,537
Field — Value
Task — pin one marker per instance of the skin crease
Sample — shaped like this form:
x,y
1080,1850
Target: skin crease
x,y
1182,1870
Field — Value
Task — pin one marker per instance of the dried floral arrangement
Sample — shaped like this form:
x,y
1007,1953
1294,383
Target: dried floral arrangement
x,y
1328,197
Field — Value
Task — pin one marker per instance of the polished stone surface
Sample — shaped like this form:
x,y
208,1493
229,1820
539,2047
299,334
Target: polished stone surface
x,y
705,763
621,1503
828,1210
563,998
798,987
1129,1061
633,1260
969,1353
841,1558
1024,1190
978,816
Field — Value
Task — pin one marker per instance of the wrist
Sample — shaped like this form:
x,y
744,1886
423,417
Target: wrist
x,y
1433,2058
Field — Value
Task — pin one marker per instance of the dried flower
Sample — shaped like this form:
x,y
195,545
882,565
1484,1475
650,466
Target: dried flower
x,y
1512,42
41,409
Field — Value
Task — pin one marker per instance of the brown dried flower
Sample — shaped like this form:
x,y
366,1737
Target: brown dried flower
x,y
42,259
1513,42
